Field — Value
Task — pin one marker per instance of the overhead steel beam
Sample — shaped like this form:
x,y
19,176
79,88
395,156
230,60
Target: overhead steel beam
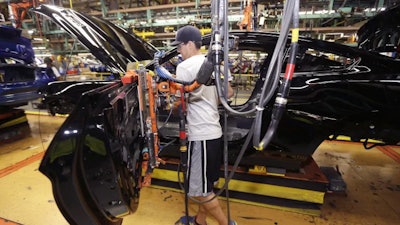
x,y
160,7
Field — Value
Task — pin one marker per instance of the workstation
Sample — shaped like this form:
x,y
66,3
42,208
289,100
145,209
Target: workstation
x,y
310,134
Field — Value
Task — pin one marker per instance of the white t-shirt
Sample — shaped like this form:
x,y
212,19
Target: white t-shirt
x,y
55,71
202,113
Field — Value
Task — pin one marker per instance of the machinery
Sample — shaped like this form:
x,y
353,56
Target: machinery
x,y
18,11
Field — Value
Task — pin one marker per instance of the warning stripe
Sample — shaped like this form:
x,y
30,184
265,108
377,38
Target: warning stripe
x,y
20,164
387,150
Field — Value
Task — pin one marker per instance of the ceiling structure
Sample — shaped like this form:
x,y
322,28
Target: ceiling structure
x,y
156,20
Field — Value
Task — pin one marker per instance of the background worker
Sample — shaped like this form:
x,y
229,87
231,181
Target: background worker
x,y
51,70
205,147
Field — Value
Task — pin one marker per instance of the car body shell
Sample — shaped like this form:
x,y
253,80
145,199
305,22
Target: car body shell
x,y
20,78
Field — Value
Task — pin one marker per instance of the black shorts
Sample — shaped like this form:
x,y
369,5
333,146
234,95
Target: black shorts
x,y
204,163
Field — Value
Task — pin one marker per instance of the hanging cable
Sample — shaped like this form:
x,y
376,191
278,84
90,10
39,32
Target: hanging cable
x,y
281,97
218,50
225,114
273,74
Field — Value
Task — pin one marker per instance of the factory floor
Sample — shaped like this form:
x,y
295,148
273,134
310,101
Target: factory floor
x,y
372,195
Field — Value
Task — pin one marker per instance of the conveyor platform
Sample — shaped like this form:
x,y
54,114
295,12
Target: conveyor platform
x,y
13,125
301,191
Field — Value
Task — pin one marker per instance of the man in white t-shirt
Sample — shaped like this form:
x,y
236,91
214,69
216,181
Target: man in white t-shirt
x,y
204,129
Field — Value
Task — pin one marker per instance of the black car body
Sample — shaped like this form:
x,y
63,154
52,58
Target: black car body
x,y
381,33
94,159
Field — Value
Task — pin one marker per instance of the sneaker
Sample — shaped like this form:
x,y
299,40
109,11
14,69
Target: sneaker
x,y
184,220
232,222
191,220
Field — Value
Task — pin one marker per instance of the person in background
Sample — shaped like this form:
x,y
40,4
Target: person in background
x,y
83,68
61,64
205,147
51,70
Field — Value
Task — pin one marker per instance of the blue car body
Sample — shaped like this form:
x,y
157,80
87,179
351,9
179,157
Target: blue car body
x,y
20,78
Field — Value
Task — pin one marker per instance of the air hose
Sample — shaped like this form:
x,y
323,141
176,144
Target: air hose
x,y
283,92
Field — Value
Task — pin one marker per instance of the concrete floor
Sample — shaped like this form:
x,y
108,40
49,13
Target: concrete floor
x,y
372,196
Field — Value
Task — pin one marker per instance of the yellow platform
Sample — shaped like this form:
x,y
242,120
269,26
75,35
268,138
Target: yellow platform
x,y
297,192
13,125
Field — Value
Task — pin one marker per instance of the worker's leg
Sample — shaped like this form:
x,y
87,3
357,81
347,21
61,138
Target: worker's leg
x,y
204,165
201,215
212,208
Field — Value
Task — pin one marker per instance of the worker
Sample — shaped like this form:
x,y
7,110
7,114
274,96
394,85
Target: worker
x,y
51,70
61,64
205,147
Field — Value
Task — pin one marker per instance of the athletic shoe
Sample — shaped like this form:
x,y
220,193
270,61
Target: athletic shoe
x,y
232,222
186,220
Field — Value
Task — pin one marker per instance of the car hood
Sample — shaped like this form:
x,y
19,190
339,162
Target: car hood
x,y
109,43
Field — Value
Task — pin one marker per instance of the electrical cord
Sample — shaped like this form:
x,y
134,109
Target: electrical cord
x,y
281,97
273,73
225,114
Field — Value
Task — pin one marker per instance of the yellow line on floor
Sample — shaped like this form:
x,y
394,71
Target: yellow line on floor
x,y
10,169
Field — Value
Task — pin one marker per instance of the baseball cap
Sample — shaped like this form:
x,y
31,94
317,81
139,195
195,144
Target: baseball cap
x,y
185,34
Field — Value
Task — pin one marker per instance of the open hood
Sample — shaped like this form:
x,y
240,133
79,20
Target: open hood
x,y
110,44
